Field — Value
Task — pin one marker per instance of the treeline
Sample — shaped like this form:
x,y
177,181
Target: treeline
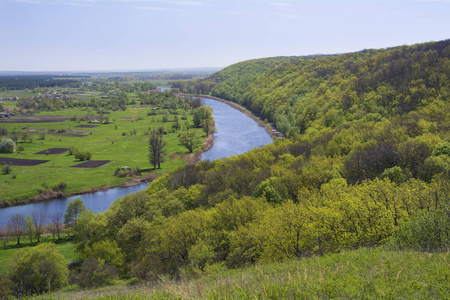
x,y
32,82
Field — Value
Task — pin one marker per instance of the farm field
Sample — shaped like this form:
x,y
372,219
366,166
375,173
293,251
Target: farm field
x,y
122,142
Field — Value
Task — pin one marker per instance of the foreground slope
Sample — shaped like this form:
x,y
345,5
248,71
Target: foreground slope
x,y
358,274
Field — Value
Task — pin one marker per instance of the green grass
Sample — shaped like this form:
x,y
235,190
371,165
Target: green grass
x,y
360,274
64,246
105,142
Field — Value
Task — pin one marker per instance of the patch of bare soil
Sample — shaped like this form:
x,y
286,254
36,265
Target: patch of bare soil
x,y
91,164
21,162
68,134
53,151
39,119
77,130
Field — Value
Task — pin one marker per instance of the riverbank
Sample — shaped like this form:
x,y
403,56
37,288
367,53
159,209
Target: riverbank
x,y
269,127
51,195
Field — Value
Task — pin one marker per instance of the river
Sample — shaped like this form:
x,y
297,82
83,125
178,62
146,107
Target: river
x,y
235,133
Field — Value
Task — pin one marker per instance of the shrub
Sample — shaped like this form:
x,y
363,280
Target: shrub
x,y
5,287
6,169
7,146
83,155
73,150
94,274
429,231
59,187
40,269
3,131
124,171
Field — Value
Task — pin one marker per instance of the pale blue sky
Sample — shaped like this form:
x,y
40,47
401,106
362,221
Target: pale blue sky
x,y
63,35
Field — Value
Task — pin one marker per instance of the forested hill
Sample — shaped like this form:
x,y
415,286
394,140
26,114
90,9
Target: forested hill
x,y
233,80
301,92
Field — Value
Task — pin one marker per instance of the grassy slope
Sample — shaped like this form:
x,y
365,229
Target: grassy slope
x,y
105,143
64,246
365,273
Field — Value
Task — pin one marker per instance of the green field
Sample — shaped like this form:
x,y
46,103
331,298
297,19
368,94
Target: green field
x,y
115,142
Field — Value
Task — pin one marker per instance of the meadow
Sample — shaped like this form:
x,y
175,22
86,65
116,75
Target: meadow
x,y
123,141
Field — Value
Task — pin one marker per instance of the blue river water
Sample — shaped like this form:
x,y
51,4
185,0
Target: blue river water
x,y
235,133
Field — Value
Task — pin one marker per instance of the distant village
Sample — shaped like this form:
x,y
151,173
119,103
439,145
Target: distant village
x,y
6,112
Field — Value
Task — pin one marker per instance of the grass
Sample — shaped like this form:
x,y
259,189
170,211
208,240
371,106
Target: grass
x,y
105,142
359,274
64,246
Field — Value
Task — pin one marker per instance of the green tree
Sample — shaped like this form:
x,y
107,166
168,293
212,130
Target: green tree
x,y
7,146
105,252
74,209
190,140
39,219
156,149
203,118
16,225
29,226
40,269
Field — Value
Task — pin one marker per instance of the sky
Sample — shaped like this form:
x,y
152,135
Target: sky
x,y
125,35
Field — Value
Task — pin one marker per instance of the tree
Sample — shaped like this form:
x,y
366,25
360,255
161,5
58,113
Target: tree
x,y
190,140
156,149
202,116
17,226
39,219
29,226
57,224
74,209
4,234
40,269
7,146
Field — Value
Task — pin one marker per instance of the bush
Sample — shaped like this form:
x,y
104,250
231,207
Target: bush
x,y
429,231
5,287
83,155
124,171
59,187
7,146
40,269
73,150
6,169
95,274
3,131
